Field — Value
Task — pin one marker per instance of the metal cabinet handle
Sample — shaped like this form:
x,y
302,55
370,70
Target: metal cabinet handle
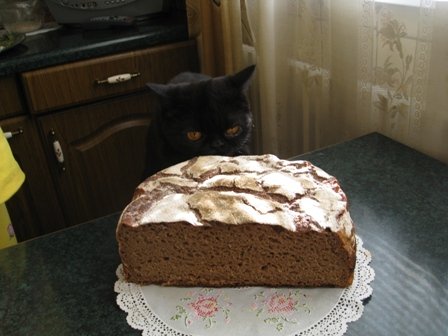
x,y
10,134
57,149
117,78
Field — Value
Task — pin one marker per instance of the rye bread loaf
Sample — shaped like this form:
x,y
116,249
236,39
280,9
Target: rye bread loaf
x,y
238,221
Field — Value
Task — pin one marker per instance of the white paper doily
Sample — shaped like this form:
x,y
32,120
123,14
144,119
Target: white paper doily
x,y
178,311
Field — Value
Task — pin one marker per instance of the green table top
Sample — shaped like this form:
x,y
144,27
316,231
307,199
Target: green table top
x,y
63,283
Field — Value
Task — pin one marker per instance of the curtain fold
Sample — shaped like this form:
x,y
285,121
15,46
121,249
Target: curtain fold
x,y
332,70
217,27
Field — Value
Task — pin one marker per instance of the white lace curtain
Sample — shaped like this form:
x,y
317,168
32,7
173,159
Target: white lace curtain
x,y
332,70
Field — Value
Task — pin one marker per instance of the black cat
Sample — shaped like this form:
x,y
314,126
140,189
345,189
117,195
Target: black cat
x,y
199,115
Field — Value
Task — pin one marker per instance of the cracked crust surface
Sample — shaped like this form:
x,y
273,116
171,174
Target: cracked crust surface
x,y
241,190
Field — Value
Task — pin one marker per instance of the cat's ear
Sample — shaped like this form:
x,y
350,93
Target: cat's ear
x,y
242,78
160,89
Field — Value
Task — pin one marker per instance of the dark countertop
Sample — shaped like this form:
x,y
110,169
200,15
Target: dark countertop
x,y
63,283
73,44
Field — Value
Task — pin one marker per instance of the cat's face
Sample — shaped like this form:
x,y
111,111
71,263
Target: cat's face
x,y
207,116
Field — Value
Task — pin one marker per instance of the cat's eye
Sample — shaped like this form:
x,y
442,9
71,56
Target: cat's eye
x,y
233,131
194,135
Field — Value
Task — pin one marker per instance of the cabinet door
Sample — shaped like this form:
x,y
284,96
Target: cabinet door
x,y
103,147
34,209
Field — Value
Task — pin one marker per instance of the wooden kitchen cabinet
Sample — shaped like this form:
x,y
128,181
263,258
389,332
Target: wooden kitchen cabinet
x,y
103,148
35,208
99,131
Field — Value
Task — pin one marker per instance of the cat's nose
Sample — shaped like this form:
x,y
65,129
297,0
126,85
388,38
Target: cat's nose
x,y
217,143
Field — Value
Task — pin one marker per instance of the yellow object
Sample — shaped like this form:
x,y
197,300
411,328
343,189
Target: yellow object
x,y
7,236
11,178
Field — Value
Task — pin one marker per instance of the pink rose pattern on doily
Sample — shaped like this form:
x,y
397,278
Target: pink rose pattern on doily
x,y
204,305
275,307
280,303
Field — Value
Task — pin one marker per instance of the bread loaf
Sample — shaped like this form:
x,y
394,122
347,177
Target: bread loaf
x,y
238,221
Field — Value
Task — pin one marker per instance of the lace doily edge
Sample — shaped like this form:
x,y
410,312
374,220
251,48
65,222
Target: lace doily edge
x,y
350,305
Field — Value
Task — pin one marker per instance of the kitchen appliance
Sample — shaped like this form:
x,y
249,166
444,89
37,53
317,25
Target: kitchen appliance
x,y
98,13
